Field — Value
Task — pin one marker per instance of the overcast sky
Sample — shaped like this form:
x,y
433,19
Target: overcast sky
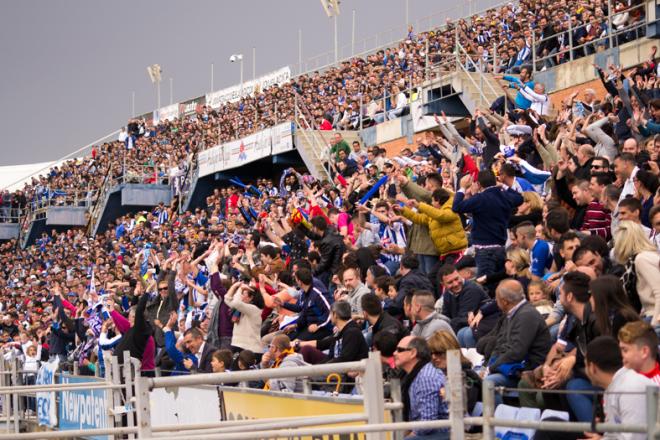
x,y
69,66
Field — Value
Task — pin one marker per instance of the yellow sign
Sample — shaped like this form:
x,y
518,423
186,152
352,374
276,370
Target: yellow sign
x,y
237,404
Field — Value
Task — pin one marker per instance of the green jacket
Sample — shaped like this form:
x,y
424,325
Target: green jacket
x,y
339,146
419,238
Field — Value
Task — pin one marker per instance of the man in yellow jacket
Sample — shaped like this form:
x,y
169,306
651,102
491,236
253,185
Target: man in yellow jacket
x,y
445,227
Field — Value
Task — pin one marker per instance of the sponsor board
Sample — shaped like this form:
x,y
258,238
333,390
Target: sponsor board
x,y
46,404
234,93
83,409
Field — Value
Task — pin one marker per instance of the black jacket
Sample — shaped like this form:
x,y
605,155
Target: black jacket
x,y
331,247
388,324
160,307
457,307
135,339
413,280
346,346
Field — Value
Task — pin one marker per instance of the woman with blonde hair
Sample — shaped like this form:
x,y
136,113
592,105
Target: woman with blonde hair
x,y
441,342
531,209
516,266
641,280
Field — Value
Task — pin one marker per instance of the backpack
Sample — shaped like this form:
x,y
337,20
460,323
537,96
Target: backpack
x,y
629,280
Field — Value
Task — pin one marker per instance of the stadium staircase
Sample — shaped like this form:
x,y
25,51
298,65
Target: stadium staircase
x,y
119,196
313,145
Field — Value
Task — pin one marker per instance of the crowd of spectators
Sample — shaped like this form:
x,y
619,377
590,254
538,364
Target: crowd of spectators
x,y
532,239
357,92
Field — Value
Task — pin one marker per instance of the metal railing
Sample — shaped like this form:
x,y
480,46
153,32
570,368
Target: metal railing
x,y
613,37
96,212
391,37
471,68
134,394
62,197
304,122
81,151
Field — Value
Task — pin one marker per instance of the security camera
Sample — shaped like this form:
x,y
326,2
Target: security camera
x,y
235,58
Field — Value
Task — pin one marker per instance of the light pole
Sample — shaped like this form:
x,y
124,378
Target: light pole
x,y
155,72
238,57
331,8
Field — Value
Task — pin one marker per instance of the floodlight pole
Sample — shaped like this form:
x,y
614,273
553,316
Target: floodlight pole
x,y
334,18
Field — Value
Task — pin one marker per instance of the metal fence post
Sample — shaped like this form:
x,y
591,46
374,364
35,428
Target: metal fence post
x,y
360,110
143,407
426,62
374,399
494,57
456,46
397,414
570,39
455,395
481,81
128,387
651,412
15,400
488,396
609,24
109,396
116,379
533,51
295,107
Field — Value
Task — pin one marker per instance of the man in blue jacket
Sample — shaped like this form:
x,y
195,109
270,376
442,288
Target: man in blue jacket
x,y
313,310
524,80
491,207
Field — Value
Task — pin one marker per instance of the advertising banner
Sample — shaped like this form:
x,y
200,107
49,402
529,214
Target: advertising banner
x,y
46,405
282,138
191,106
83,409
211,160
229,404
233,93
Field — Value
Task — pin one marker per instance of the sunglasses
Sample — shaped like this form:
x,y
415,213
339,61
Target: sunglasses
x,y
402,349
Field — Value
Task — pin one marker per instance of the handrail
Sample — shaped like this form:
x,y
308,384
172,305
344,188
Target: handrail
x,y
96,211
313,142
68,156
611,35
461,50
402,30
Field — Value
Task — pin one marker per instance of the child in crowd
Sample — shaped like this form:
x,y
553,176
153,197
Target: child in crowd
x,y
539,296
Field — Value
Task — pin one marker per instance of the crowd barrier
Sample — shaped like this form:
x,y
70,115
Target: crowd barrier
x,y
200,406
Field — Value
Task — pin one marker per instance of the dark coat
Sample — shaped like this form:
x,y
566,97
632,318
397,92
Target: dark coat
x,y
346,346
457,307
521,337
